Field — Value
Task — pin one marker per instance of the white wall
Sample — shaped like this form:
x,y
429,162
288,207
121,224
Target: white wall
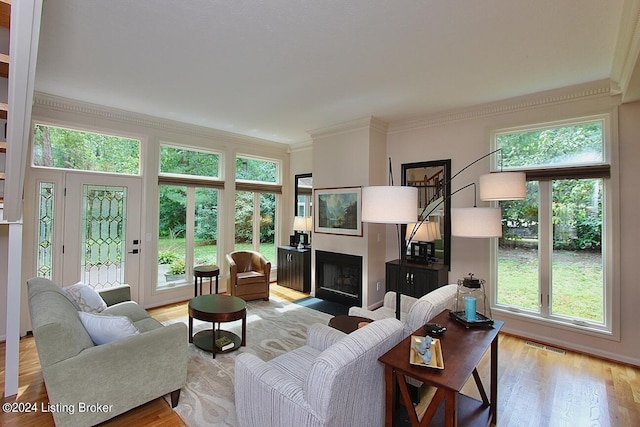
x,y
629,146
347,155
4,242
465,136
300,162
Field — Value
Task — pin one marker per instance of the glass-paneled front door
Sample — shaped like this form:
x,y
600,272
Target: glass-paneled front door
x,y
101,230
102,240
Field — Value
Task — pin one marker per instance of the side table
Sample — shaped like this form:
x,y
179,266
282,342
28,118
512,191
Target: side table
x,y
217,308
462,350
209,271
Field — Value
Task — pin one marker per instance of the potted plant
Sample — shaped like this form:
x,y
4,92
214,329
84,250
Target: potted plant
x,y
176,271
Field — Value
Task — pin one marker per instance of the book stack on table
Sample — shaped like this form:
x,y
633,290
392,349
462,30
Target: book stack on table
x,y
224,343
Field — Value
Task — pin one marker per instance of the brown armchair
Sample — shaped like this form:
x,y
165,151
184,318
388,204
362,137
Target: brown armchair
x,y
249,275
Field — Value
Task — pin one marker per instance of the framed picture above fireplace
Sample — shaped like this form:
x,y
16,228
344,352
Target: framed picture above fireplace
x,y
338,210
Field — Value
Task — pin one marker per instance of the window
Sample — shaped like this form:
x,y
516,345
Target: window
x,y
256,170
46,198
551,261
182,161
188,209
55,147
257,184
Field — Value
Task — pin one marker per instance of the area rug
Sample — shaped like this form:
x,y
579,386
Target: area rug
x,y
329,307
274,327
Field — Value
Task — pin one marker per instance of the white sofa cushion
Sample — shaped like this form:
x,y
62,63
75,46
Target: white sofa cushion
x,y
85,298
104,329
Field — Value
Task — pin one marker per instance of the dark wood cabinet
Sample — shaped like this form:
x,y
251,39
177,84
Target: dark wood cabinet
x,y
419,279
294,268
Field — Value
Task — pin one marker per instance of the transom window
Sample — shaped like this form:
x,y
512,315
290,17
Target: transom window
x,y
258,170
552,259
62,148
183,161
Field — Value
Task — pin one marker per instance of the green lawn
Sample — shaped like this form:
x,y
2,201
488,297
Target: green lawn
x,y
576,282
207,254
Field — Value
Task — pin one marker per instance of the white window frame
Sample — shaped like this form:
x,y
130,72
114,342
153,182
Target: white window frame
x,y
610,329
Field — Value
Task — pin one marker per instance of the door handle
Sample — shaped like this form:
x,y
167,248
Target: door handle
x,y
134,251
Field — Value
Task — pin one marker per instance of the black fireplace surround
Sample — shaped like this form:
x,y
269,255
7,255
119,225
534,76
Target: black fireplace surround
x,y
339,278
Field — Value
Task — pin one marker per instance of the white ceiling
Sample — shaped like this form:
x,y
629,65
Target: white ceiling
x,y
275,69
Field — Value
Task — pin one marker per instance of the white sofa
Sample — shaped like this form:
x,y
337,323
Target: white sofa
x,y
415,312
334,380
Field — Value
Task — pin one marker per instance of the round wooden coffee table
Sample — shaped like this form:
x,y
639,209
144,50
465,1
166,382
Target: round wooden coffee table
x,y
217,308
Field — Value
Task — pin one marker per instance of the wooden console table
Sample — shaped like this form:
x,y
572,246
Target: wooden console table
x,y
462,349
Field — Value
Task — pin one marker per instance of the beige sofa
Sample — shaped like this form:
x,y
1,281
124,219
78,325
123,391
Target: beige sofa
x,y
116,376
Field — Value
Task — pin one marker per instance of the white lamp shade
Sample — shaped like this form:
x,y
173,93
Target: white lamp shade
x,y
428,231
476,222
503,186
300,223
389,204
309,223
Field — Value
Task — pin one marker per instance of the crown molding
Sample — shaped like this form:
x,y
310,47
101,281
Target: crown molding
x,y
372,123
575,93
301,146
58,103
627,50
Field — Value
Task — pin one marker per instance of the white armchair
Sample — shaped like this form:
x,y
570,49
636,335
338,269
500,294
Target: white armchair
x,y
414,312
334,380
388,308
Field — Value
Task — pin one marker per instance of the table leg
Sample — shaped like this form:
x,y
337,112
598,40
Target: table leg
x,y
216,283
406,399
493,411
210,284
244,329
213,340
390,395
450,408
190,329
483,394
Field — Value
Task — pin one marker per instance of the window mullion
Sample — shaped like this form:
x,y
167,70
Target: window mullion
x,y
256,221
545,242
190,230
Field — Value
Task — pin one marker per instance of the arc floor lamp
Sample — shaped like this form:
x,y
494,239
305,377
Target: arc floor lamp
x,y
399,204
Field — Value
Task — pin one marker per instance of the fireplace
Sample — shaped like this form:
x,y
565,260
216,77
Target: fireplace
x,y
339,277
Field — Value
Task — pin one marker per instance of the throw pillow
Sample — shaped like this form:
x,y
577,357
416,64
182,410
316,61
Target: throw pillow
x,y
85,298
104,328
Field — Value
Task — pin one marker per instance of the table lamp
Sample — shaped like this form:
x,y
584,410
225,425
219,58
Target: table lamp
x,y
422,247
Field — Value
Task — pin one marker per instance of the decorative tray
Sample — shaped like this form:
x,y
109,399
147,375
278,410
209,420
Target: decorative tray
x,y
436,353
480,321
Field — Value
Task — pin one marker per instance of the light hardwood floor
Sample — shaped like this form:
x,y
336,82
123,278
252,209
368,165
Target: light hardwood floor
x,y
537,386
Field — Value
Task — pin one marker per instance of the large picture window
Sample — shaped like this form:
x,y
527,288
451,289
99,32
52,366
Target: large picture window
x,y
552,260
